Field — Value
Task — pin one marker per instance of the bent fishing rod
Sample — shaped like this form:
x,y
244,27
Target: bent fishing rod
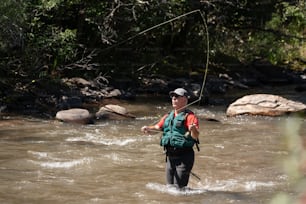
x,y
206,64
205,73
169,21
207,57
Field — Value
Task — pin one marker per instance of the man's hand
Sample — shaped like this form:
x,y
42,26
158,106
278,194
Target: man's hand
x,y
192,127
145,129
193,131
150,129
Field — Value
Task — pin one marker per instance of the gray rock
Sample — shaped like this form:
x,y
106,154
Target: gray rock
x,y
75,115
114,112
264,104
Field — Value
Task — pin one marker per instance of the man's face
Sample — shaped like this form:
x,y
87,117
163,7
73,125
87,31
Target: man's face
x,y
178,102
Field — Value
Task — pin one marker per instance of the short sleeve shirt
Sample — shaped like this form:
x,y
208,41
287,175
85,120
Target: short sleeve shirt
x,y
191,119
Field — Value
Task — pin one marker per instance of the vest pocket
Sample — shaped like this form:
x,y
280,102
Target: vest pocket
x,y
181,141
179,123
177,141
164,141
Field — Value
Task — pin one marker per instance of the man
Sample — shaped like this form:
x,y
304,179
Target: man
x,y
180,133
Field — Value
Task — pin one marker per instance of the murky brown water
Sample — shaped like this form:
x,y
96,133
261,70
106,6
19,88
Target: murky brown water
x,y
113,162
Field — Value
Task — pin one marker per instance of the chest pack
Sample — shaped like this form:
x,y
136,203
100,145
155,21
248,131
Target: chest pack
x,y
175,133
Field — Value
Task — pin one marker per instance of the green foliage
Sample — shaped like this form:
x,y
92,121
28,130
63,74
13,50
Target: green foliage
x,y
56,38
289,18
272,30
11,25
283,37
49,40
50,4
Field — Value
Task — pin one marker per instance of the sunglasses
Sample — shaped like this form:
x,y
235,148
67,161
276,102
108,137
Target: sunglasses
x,y
175,96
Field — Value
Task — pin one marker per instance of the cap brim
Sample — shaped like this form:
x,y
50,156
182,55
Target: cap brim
x,y
171,93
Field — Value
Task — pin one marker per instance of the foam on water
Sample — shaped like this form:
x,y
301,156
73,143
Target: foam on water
x,y
62,164
39,154
118,158
172,190
224,186
65,164
235,185
101,140
145,118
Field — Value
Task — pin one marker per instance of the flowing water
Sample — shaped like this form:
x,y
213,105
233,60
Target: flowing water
x,y
46,161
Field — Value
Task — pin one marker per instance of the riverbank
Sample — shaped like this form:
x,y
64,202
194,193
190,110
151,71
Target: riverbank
x,y
43,98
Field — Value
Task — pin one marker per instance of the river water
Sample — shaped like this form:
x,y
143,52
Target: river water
x,y
46,161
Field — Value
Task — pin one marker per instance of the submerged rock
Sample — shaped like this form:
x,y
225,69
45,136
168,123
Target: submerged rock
x,y
264,104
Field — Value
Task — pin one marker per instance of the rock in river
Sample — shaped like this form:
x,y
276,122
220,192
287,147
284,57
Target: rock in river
x,y
114,112
75,115
264,104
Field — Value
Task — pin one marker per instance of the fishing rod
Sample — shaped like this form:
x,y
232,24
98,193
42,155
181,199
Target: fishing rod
x,y
169,21
206,64
204,76
207,57
195,175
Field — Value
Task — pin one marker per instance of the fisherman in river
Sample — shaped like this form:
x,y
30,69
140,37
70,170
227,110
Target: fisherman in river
x,y
180,132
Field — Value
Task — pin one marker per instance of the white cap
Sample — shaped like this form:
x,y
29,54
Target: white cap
x,y
179,91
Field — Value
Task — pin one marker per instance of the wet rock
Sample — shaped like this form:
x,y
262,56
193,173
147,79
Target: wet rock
x,y
114,93
264,104
75,115
78,82
114,112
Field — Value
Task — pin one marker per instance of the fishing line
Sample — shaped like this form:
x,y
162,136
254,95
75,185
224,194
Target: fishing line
x,y
206,65
152,28
207,55
169,21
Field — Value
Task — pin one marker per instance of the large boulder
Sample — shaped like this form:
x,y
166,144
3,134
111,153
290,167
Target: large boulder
x,y
75,115
264,104
114,112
